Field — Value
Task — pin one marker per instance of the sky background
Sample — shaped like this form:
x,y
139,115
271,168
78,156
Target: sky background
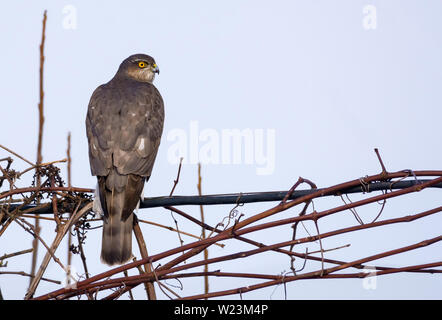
x,y
331,90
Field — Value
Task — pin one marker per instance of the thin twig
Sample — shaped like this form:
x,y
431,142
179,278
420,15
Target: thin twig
x,y
130,291
174,230
150,288
74,218
6,256
40,143
82,255
69,253
22,273
175,182
69,159
17,155
203,232
19,174
380,160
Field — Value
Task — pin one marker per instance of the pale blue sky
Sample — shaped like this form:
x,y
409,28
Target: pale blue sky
x,y
330,89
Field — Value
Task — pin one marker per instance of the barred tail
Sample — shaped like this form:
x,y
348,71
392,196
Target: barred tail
x,y
119,195
116,247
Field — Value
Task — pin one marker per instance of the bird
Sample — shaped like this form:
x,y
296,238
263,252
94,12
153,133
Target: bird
x,y
124,124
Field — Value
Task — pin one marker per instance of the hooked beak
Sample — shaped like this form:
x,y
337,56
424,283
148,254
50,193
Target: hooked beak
x,y
156,69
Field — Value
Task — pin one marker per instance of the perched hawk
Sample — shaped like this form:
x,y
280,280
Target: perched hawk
x,y
124,124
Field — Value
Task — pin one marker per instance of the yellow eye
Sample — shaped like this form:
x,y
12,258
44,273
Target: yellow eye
x,y
142,64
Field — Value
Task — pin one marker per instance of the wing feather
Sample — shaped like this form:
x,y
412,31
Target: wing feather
x,y
124,126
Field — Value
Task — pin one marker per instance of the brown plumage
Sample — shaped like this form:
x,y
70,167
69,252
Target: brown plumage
x,y
124,124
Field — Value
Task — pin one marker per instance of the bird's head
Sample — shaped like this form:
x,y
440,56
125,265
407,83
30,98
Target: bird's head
x,y
139,67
